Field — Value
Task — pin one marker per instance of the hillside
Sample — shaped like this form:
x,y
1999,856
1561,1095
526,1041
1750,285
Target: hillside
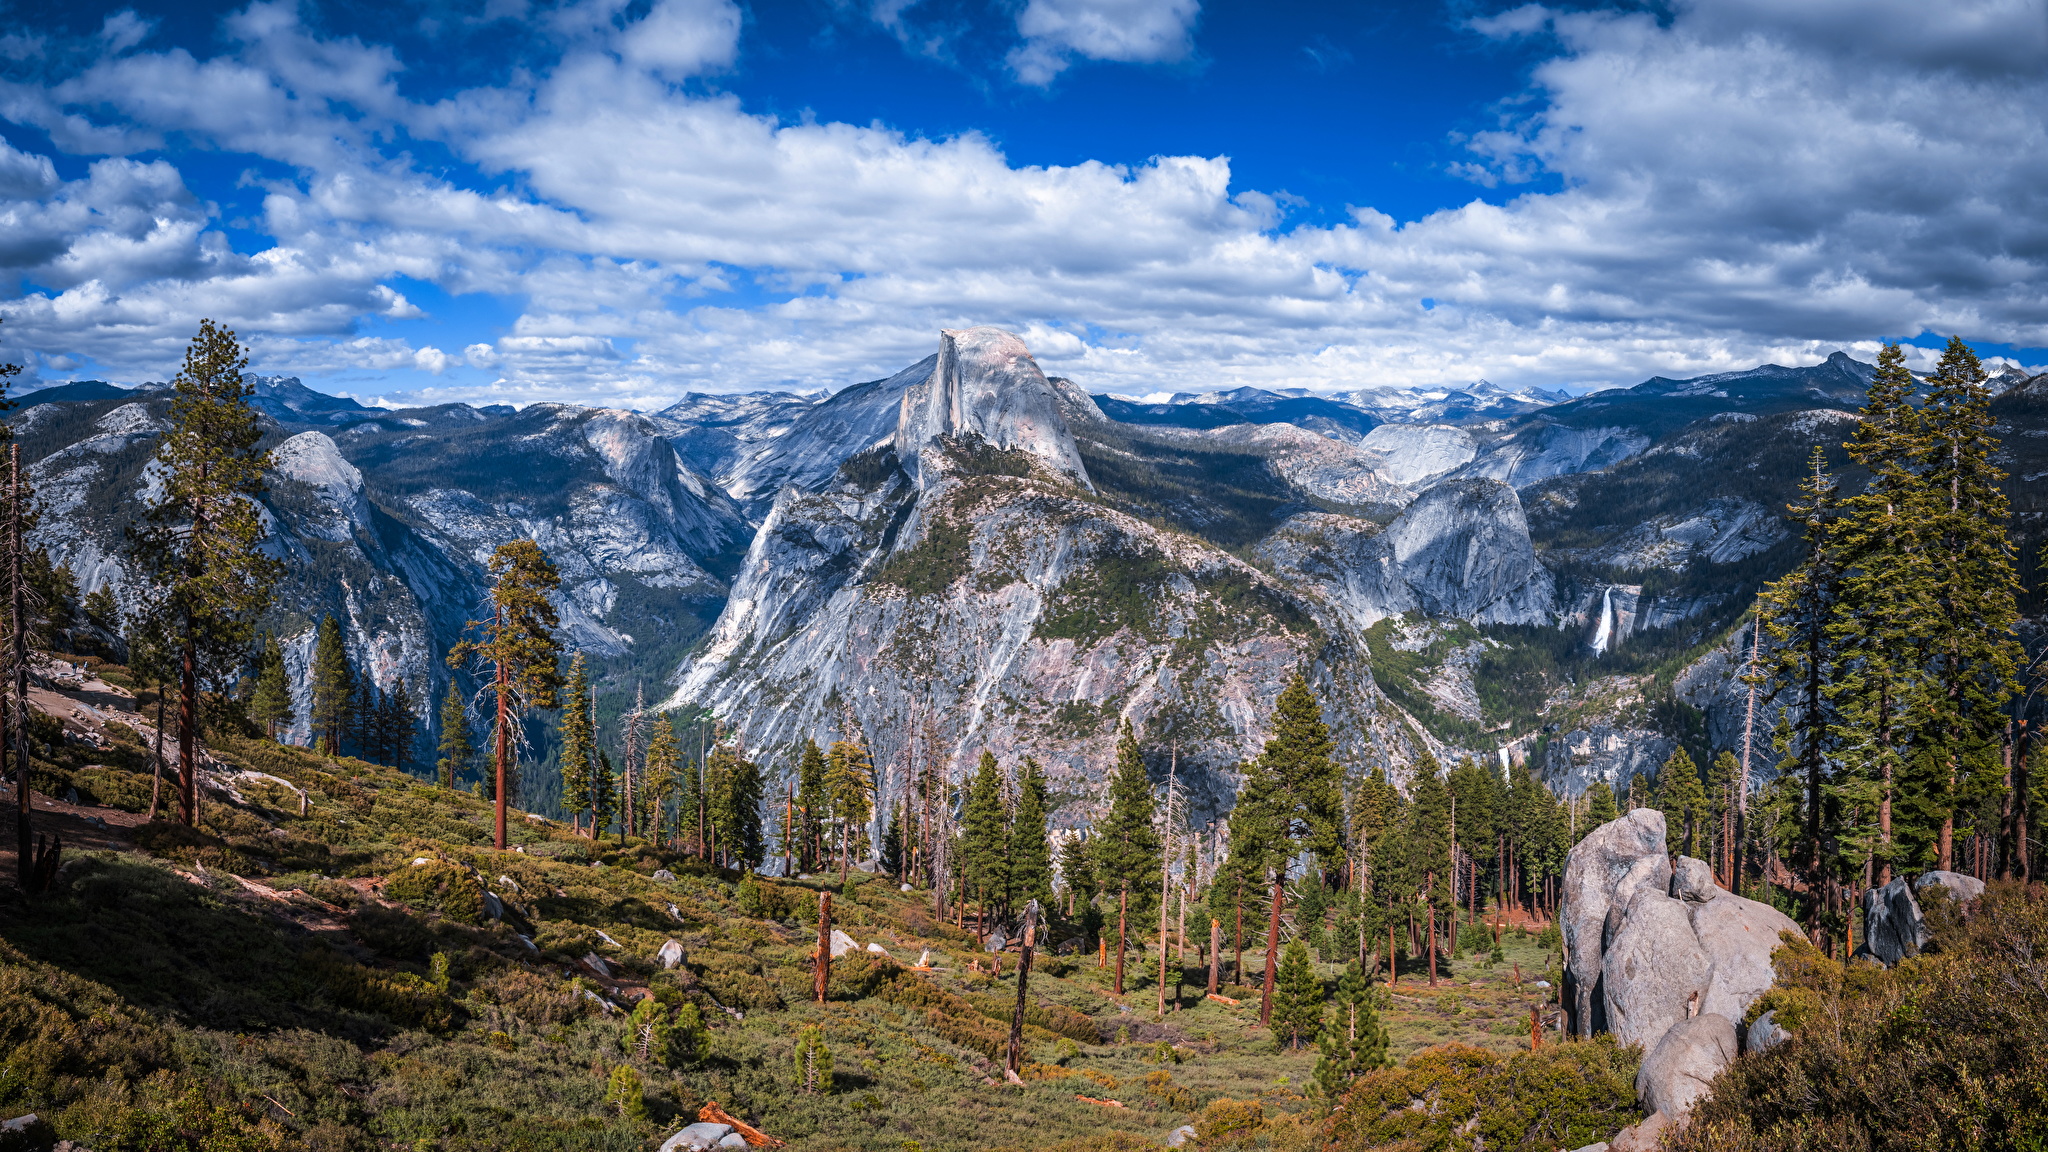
x,y
335,960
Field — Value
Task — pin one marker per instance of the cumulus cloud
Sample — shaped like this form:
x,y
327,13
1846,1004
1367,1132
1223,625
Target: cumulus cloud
x,y
1132,31
1738,183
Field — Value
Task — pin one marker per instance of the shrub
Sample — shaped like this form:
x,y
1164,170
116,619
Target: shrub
x,y
1228,1121
1457,1096
1946,1050
449,889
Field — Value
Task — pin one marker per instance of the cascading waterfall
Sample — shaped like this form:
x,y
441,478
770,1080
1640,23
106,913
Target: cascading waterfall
x,y
1605,632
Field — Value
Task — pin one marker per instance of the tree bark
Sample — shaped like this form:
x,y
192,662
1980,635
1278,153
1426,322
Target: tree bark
x,y
1215,951
1015,1061
822,969
1272,949
1123,907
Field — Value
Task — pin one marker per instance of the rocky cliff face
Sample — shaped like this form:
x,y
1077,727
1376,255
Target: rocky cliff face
x,y
990,593
385,522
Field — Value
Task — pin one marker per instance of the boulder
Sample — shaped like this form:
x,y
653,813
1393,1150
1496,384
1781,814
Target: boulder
x,y
842,944
1960,886
663,874
1892,926
1600,1147
494,907
1764,1033
1655,971
732,1140
1684,1063
671,954
1646,1135
1180,1136
698,1137
1693,881
1738,935
1598,865
595,963
875,946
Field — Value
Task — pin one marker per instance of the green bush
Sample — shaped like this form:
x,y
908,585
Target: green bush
x,y
1947,1050
1457,1096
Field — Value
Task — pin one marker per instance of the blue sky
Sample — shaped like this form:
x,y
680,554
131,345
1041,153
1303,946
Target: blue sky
x,y
616,202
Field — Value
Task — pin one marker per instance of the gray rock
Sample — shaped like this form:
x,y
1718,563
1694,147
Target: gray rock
x,y
1684,1062
732,1140
697,1137
1655,970
1463,547
1597,866
1693,880
494,907
842,944
671,954
595,963
985,383
1764,1033
996,941
1960,886
1645,1135
1738,936
1600,1147
1180,1136
18,1124
663,874
1893,929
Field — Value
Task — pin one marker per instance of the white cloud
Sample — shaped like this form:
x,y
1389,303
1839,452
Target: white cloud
x,y
1132,31
1739,184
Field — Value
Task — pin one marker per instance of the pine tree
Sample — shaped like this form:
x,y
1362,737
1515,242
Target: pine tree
x,y
1638,792
404,728
1427,875
1798,611
271,704
1297,1000
361,724
1477,794
578,754
198,541
1722,781
1684,803
604,796
333,685
1077,872
813,1061
850,784
1294,805
892,844
1887,596
1354,1040
1126,847
732,794
1030,840
813,805
520,646
664,767
1600,804
1973,656
985,836
455,747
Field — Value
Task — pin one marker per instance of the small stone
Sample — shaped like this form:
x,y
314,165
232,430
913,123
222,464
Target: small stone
x,y
697,1137
494,907
18,1124
732,1140
876,947
1765,1033
671,954
595,963
663,874
1180,1136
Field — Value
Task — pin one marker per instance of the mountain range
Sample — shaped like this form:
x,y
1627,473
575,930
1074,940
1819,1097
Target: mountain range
x,y
972,555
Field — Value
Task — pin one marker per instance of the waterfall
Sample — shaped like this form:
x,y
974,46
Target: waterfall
x,y
1605,632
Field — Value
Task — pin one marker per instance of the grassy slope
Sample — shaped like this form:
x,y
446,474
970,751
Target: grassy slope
x,y
262,984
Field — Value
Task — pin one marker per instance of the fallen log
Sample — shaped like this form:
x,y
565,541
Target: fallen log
x,y
748,1132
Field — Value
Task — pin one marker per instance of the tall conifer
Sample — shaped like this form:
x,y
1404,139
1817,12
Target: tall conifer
x,y
519,646
198,541
578,755
1030,842
1354,1040
455,746
333,685
1126,845
1293,806
270,706
985,836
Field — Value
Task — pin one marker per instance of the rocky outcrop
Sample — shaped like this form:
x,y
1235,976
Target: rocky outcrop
x,y
1413,454
1960,887
1460,550
1678,959
1604,868
985,385
1682,1067
1892,927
